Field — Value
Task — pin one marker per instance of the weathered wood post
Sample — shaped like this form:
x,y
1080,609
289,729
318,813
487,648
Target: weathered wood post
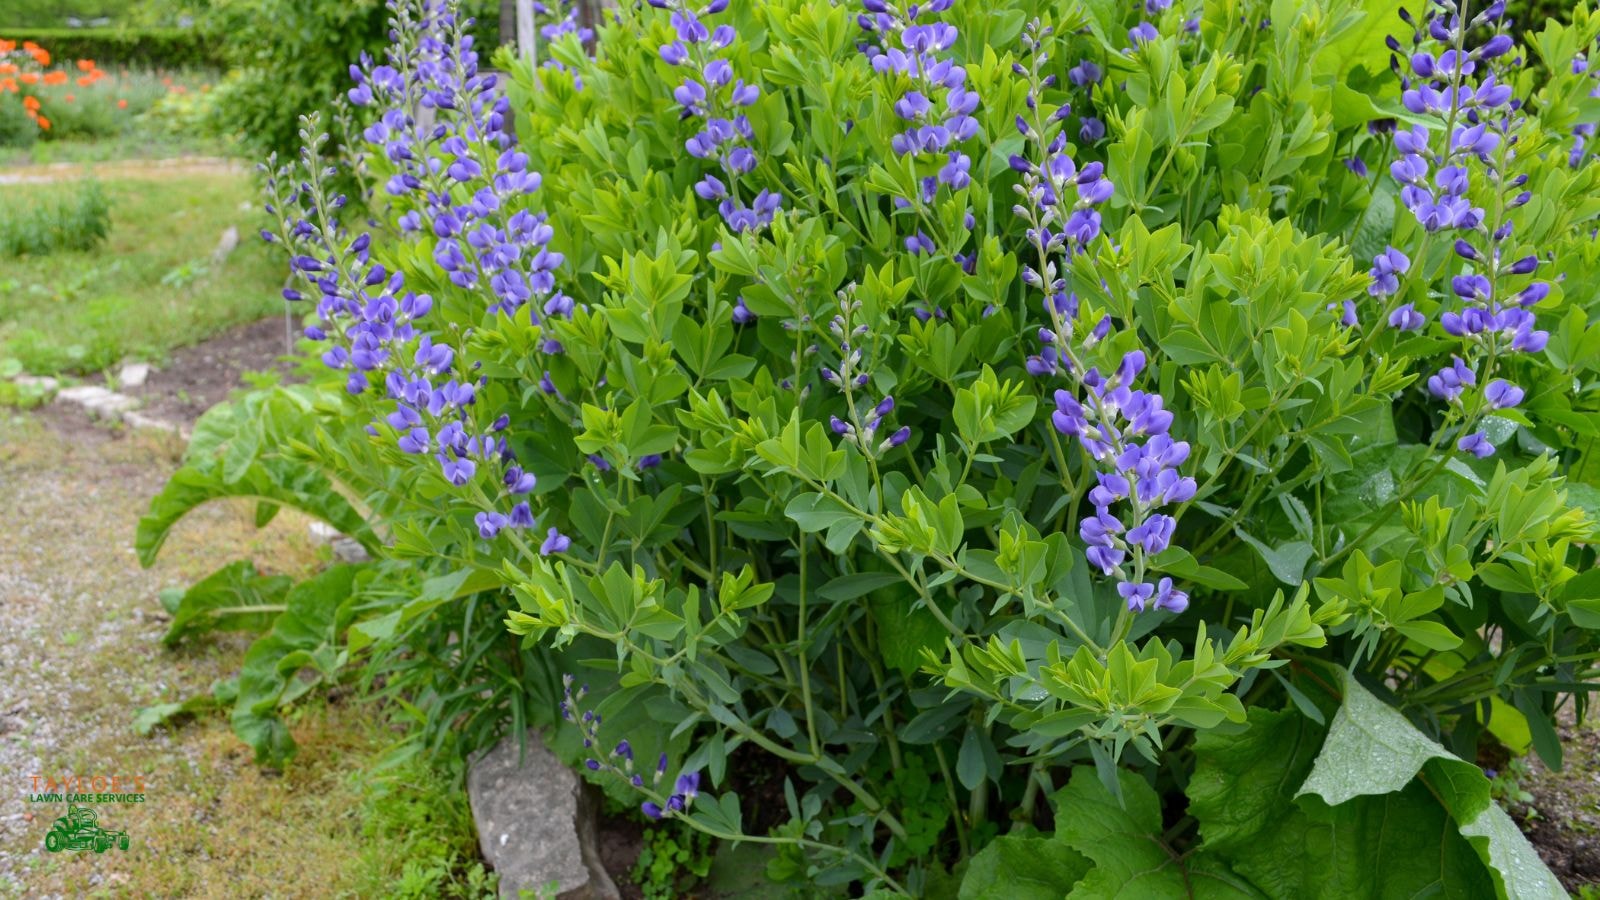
x,y
527,38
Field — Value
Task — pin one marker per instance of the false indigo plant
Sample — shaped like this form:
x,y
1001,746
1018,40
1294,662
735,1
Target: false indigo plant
x,y
1127,428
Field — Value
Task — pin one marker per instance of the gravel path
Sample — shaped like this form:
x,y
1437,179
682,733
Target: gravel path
x,y
80,653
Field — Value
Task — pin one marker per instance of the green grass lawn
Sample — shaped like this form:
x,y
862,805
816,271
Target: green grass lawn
x,y
151,287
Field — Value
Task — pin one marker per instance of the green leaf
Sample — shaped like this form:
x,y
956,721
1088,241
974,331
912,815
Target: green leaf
x,y
970,769
1287,561
849,587
1372,749
301,650
1177,562
1123,841
233,598
1241,794
815,512
1023,868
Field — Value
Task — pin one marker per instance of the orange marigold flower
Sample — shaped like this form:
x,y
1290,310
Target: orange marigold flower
x,y
8,68
56,77
30,103
122,104
8,85
30,77
7,46
44,124
84,81
85,65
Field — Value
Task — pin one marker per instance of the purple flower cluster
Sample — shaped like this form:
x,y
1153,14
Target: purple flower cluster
x,y
1060,203
1147,31
864,420
1459,87
936,108
1126,431
565,13
365,314
619,760
711,94
1458,71
1123,429
1084,76
470,181
1583,133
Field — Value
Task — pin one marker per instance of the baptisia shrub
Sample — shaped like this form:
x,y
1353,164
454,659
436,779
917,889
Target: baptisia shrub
x,y
970,417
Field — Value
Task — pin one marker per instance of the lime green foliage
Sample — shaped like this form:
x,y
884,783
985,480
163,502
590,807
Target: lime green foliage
x,y
672,860
418,837
84,311
76,218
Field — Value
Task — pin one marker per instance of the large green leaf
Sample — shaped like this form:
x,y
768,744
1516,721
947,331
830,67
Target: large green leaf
x,y
1242,794
1023,868
302,650
233,598
1123,840
232,454
1374,750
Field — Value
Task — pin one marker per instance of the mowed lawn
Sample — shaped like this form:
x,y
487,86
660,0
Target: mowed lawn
x,y
155,284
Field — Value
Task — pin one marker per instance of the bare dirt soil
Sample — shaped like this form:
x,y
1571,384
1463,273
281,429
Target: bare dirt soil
x,y
197,377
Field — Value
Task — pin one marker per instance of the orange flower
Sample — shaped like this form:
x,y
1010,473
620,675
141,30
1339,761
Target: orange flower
x,y
85,65
31,104
8,68
44,124
166,82
7,46
122,104
55,78
29,77
8,85
71,98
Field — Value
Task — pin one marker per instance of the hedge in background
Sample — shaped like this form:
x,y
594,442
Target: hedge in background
x,y
172,48
290,57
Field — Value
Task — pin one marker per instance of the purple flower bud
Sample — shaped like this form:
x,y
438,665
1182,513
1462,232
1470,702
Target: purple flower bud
x,y
555,542
1476,443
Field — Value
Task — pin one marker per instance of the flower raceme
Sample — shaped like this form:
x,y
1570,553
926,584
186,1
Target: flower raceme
x,y
1124,430
711,94
619,761
1458,72
937,107
483,237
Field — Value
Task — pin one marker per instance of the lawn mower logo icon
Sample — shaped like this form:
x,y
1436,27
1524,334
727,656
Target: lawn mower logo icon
x,y
80,829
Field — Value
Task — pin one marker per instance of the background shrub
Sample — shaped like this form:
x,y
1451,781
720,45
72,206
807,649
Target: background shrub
x,y
76,218
170,48
290,57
